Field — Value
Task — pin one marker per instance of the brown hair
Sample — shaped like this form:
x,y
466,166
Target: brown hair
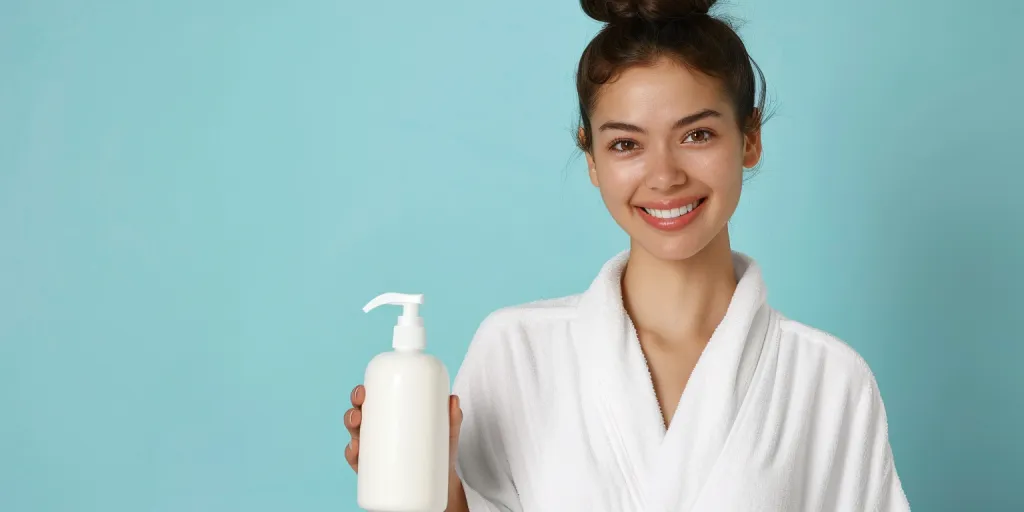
x,y
638,32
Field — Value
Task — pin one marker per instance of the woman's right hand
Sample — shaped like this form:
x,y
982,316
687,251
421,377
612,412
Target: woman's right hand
x,y
354,418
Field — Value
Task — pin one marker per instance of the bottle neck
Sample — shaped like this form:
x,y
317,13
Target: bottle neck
x,y
409,338
407,349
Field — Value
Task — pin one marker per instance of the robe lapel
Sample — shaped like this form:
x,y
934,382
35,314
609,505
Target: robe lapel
x,y
664,471
713,396
617,381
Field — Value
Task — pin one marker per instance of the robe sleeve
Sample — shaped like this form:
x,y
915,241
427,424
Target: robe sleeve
x,y
879,482
484,394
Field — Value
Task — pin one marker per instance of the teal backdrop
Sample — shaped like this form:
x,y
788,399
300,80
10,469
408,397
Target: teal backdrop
x,y
197,198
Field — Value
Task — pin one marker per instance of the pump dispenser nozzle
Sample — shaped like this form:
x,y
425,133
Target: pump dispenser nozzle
x,y
409,333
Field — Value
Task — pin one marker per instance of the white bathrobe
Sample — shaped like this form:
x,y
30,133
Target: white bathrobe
x,y
560,414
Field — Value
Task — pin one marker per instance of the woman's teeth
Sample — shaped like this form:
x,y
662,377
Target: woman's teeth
x,y
673,213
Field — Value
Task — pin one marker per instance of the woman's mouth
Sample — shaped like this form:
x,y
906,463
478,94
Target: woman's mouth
x,y
672,219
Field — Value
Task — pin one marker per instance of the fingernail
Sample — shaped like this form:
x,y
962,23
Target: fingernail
x,y
348,416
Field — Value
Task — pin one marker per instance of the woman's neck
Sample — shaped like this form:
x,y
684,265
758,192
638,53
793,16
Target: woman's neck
x,y
679,301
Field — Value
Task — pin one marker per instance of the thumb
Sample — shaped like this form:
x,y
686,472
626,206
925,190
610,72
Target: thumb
x,y
455,417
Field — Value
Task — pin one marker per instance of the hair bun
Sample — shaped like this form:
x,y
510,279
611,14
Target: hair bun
x,y
611,11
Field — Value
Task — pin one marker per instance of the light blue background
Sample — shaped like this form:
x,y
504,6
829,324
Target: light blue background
x,y
196,198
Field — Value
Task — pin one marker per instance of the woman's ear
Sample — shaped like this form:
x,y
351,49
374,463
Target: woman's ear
x,y
581,137
752,149
752,141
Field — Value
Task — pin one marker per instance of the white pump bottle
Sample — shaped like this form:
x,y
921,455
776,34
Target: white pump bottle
x,y
403,436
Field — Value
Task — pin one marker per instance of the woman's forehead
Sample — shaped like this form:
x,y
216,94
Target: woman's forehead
x,y
664,89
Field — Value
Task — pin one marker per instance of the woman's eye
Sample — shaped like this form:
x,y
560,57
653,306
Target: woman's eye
x,y
624,146
698,136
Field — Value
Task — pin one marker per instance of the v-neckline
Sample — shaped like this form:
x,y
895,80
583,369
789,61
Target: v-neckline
x,y
661,459
658,403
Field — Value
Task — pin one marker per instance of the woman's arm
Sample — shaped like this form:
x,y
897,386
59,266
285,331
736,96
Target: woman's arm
x,y
482,481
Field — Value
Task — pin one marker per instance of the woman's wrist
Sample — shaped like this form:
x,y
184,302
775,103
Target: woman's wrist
x,y
456,494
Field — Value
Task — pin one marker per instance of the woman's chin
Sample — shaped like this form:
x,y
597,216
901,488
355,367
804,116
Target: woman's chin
x,y
679,246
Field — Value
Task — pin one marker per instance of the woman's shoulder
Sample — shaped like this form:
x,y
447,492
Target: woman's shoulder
x,y
822,353
528,319
524,336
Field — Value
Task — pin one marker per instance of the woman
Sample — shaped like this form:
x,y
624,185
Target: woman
x,y
669,384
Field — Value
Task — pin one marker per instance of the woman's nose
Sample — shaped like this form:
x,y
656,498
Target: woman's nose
x,y
663,172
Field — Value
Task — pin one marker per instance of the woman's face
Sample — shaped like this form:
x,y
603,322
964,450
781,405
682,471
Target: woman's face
x,y
668,157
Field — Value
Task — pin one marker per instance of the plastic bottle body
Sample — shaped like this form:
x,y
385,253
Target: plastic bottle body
x,y
403,439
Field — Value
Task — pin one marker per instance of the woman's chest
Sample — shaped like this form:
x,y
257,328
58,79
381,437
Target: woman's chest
x,y
577,458
563,482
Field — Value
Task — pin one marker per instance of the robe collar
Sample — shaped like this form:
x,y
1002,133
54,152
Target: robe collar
x,y
666,469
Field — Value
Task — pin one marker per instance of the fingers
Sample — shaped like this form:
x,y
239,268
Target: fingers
x,y
353,419
354,416
455,416
352,454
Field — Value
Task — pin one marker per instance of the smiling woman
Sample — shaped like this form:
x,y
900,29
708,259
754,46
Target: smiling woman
x,y
680,93
668,214
671,383
668,153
